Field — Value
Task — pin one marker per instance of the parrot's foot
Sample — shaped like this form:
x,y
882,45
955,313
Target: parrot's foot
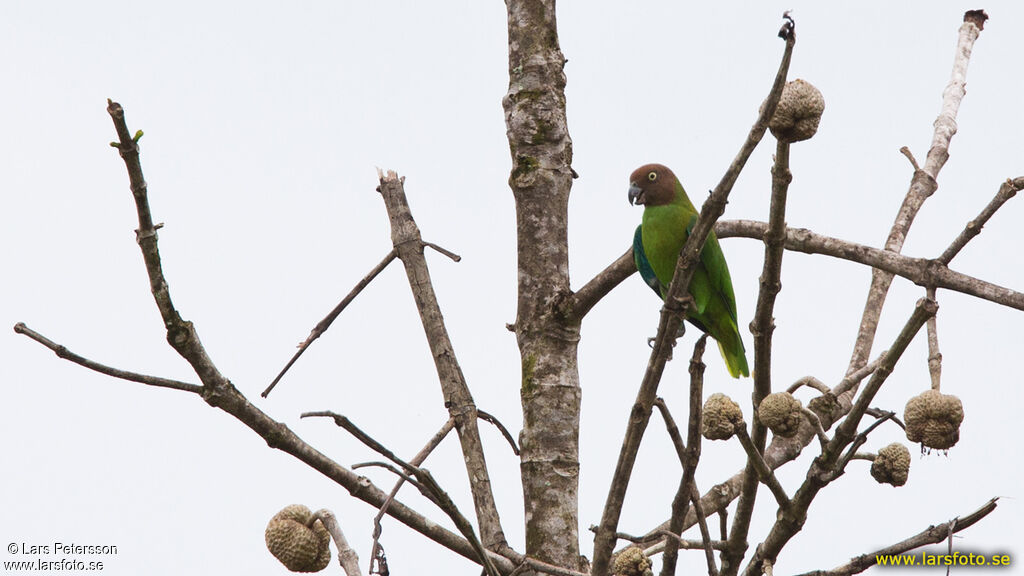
x,y
650,343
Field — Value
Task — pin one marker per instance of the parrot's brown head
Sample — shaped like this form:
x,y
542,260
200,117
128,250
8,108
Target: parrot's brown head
x,y
652,185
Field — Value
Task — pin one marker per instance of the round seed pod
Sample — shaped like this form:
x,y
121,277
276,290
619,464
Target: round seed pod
x,y
933,419
720,417
301,544
632,562
892,465
799,111
781,413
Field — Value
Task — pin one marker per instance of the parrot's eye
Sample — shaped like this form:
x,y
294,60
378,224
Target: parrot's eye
x,y
652,176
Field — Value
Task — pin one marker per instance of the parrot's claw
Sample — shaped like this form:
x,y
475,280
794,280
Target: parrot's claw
x,y
650,343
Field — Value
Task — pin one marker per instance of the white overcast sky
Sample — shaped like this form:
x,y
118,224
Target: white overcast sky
x,y
263,128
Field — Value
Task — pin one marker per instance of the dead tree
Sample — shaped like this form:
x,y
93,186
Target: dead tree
x,y
547,328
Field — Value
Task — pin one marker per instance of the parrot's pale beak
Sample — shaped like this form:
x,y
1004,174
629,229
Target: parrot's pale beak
x,y
636,195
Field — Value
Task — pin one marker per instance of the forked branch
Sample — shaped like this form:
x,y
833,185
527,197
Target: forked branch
x,y
671,318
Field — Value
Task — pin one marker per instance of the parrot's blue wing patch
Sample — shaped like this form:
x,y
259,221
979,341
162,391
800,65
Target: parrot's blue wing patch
x,y
643,265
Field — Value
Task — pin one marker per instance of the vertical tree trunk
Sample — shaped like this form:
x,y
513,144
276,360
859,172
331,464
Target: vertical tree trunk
x,y
541,178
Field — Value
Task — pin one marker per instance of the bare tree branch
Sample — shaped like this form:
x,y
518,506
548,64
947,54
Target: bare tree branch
x,y
853,378
931,535
439,496
418,459
486,416
921,271
922,185
1006,191
806,241
218,391
66,354
816,423
347,557
324,324
761,472
791,519
599,286
689,458
762,327
671,318
934,356
809,381
405,236
858,441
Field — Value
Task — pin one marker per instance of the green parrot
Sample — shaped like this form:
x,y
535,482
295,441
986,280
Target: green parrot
x,y
668,218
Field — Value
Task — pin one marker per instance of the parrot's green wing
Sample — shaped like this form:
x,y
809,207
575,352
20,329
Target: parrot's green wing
x,y
656,247
702,286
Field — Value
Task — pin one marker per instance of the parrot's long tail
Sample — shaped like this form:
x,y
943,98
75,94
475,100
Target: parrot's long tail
x,y
735,356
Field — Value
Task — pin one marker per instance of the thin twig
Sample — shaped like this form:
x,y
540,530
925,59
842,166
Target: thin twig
x,y
347,557
501,427
455,257
689,456
324,324
811,382
441,498
854,378
417,460
888,414
670,320
403,478
910,156
1006,191
445,502
761,471
859,441
342,421
64,353
683,543
934,356
705,534
816,423
934,534
673,430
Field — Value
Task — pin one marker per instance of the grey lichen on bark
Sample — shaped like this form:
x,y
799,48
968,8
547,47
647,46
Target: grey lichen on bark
x,y
540,180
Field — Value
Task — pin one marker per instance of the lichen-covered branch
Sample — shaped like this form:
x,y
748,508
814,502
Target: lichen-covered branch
x,y
538,138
